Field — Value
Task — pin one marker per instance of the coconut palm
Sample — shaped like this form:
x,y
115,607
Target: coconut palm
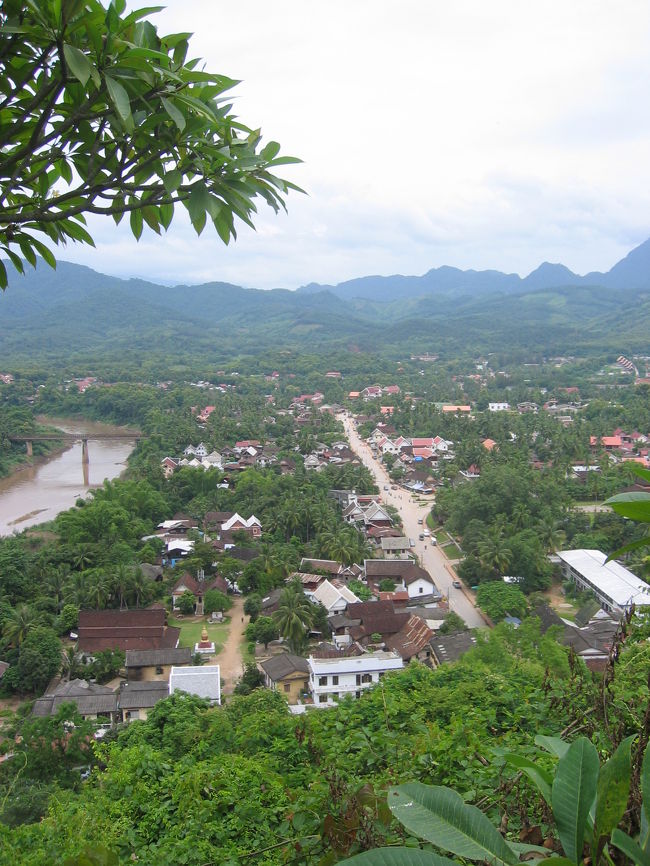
x,y
493,553
98,592
294,616
140,588
17,624
121,581
551,536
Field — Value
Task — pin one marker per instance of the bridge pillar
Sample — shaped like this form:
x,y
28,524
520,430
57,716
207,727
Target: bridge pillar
x,y
30,448
84,451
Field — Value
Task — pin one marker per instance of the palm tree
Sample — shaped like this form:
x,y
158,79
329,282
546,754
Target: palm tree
x,y
121,582
550,535
17,624
98,593
520,516
492,553
56,583
294,616
84,556
140,587
76,589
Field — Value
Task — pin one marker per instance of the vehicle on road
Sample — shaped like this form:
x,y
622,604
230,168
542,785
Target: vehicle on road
x,y
393,486
420,521
457,584
385,486
421,536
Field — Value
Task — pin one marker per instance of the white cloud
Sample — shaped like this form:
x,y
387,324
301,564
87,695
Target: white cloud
x,y
469,133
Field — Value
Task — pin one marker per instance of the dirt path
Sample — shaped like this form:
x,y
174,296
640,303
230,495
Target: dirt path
x,y
413,515
230,658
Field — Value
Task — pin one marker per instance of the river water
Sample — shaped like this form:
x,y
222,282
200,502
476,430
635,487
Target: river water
x,y
38,493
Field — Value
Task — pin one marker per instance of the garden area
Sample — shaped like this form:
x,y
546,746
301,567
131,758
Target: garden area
x,y
192,626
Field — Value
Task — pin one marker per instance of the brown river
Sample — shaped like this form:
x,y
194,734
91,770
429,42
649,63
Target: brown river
x,y
38,493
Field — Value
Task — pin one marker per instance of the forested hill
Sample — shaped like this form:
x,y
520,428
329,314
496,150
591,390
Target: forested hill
x,y
78,315
632,272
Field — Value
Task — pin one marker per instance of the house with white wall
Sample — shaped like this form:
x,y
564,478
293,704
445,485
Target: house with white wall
x,y
333,678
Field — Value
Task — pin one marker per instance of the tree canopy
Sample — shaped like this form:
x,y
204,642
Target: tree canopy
x,y
102,115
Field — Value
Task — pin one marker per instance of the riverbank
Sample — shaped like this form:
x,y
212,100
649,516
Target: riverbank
x,y
39,490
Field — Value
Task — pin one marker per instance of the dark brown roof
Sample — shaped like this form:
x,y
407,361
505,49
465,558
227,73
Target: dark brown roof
x,y
327,565
404,569
411,639
197,587
125,629
361,609
181,655
375,617
216,518
284,664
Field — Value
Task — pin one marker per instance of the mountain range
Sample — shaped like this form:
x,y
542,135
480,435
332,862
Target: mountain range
x,y
632,272
74,316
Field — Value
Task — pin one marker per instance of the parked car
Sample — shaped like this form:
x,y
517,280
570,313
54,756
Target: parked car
x,y
457,584
420,521
421,536
385,486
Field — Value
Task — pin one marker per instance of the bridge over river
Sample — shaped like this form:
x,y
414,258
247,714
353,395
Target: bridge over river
x,y
84,438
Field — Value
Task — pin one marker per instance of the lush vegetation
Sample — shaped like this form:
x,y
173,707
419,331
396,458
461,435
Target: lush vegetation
x,y
249,781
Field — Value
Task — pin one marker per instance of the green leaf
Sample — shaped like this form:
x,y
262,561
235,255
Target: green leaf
x,y
630,848
16,260
172,180
613,790
440,816
573,793
80,65
3,275
557,861
135,219
555,745
644,541
271,150
644,840
44,252
197,205
398,857
120,99
636,506
175,114
537,775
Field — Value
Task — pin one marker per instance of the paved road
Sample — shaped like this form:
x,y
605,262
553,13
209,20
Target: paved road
x,y
432,558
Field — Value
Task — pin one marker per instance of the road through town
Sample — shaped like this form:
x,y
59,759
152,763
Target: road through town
x,y
411,512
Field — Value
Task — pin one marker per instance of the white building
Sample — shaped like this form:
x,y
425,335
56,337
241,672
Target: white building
x,y
335,599
615,587
334,678
498,407
203,681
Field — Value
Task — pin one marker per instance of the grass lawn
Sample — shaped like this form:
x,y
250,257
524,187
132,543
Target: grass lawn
x,y
191,629
442,536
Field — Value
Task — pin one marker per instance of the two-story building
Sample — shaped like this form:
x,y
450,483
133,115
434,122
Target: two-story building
x,y
334,678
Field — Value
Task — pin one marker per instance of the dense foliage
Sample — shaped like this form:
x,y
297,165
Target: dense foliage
x,y
194,785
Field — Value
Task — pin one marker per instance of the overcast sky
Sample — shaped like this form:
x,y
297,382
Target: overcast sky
x,y
465,133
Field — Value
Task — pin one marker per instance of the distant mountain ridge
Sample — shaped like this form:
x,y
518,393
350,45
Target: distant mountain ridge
x,y
75,315
632,272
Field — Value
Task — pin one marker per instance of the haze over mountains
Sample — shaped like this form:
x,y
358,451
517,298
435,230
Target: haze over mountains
x,y
76,315
631,272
